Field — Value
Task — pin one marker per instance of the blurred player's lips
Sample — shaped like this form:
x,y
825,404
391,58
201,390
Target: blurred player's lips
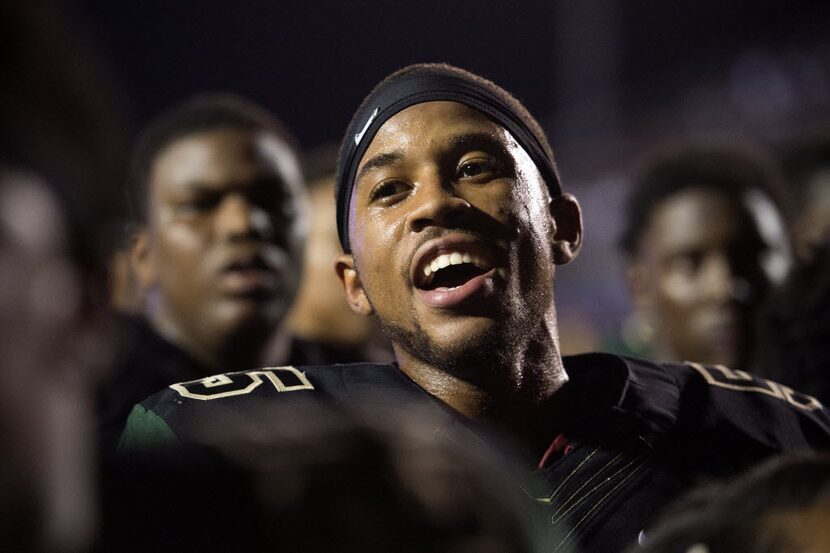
x,y
449,271
249,275
724,331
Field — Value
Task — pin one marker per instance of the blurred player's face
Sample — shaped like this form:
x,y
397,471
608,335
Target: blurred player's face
x,y
222,253
45,426
452,235
706,262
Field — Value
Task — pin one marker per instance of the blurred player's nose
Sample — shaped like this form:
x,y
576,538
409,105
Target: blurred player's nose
x,y
239,218
721,282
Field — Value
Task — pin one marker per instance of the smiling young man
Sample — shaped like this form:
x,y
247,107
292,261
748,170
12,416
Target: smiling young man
x,y
453,247
453,222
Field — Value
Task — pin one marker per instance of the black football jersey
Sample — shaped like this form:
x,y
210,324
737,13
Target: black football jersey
x,y
639,432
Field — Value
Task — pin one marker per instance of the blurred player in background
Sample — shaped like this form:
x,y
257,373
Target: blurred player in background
x,y
61,157
220,210
705,241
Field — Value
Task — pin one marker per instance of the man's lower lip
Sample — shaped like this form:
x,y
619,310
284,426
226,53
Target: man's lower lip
x,y
248,281
476,287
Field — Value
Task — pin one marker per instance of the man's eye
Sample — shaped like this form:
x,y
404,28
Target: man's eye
x,y
388,190
687,264
477,168
198,205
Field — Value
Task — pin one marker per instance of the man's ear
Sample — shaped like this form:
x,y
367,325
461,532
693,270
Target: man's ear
x,y
141,260
346,270
567,236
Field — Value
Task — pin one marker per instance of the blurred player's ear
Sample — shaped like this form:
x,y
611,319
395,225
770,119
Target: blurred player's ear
x,y
567,232
346,270
141,260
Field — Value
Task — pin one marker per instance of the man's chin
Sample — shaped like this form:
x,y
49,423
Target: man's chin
x,y
250,314
453,349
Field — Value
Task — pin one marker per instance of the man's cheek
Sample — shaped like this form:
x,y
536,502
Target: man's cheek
x,y
382,231
357,237
677,288
185,236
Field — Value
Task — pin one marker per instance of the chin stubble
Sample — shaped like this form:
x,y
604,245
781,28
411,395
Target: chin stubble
x,y
490,351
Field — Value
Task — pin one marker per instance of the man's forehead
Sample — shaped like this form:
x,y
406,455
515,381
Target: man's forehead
x,y
697,217
430,85
223,153
439,121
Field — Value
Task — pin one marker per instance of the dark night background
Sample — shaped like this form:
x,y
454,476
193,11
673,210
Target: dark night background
x,y
609,80
313,61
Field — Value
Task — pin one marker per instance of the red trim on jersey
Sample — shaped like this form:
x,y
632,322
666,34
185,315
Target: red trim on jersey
x,y
560,444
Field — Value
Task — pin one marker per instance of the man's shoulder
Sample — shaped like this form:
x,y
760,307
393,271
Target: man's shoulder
x,y
142,363
732,417
170,412
281,383
627,382
714,402
712,386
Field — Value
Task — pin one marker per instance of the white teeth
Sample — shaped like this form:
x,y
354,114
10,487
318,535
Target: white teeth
x,y
447,259
457,258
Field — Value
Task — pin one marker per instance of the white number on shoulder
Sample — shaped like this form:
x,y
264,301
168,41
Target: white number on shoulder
x,y
740,381
284,379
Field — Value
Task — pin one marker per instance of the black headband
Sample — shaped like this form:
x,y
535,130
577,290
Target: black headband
x,y
433,84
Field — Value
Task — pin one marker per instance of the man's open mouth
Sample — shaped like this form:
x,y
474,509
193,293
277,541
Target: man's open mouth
x,y
249,275
449,269
253,263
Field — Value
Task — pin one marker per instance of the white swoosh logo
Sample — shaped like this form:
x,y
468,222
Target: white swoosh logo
x,y
359,135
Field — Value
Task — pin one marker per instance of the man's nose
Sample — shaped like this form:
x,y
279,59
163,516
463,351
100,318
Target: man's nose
x,y
722,282
436,203
239,218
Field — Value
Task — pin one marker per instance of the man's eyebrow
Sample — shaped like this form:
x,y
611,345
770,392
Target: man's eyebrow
x,y
378,161
195,187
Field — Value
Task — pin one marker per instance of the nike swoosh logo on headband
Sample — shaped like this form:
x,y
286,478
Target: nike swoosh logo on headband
x,y
359,135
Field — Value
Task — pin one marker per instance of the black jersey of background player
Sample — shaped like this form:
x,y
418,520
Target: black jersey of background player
x,y
637,433
146,362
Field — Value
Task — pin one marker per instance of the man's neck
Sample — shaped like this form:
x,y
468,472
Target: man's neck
x,y
515,393
227,353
